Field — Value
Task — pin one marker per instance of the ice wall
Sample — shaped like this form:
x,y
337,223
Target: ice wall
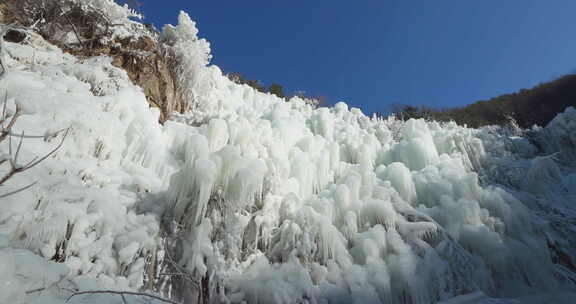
x,y
260,200
330,205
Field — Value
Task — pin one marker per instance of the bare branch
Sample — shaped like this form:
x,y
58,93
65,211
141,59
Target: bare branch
x,y
18,149
121,293
62,277
6,130
73,27
10,153
8,175
19,190
13,158
4,117
186,276
54,134
15,116
35,290
32,164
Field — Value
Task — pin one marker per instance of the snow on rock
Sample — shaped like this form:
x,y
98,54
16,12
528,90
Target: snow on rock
x,y
266,201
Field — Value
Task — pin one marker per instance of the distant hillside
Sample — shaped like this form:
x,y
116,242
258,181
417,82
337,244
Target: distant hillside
x,y
538,105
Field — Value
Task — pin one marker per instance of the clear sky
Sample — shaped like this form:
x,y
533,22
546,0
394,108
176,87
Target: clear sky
x,y
372,54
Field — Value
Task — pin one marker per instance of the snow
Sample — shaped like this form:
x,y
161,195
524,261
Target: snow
x,y
273,201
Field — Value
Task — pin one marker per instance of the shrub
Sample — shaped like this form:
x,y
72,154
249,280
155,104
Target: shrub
x,y
277,90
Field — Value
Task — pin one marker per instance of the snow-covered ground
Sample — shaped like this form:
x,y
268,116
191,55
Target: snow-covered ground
x,y
267,201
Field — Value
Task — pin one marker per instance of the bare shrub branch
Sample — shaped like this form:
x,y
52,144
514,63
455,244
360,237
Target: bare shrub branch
x,y
15,168
53,18
12,157
73,27
18,190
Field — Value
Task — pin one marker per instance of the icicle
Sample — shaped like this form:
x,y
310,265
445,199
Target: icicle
x,y
305,172
342,198
350,227
379,212
247,183
419,230
197,248
401,179
204,178
217,134
323,173
231,162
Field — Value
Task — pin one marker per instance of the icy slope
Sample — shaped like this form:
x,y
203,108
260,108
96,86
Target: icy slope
x,y
259,200
114,151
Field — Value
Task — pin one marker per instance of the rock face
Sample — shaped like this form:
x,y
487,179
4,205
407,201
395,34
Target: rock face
x,y
148,66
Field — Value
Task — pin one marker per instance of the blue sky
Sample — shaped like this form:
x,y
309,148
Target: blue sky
x,y
372,54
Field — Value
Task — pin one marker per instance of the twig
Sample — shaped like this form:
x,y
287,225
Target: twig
x,y
15,168
35,161
19,190
6,130
121,293
4,117
73,28
12,159
19,148
54,134
35,290
181,271
62,277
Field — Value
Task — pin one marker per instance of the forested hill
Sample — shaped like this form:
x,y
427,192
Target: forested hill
x,y
538,105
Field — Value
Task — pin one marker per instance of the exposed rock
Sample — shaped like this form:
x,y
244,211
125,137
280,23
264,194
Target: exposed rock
x,y
15,36
148,67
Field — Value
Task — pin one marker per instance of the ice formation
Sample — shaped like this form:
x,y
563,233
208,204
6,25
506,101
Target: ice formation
x,y
260,200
